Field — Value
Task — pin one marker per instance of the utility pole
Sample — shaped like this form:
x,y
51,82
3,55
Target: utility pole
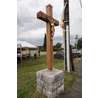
x,y
66,36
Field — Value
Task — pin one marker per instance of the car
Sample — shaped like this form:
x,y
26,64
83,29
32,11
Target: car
x,y
76,53
59,54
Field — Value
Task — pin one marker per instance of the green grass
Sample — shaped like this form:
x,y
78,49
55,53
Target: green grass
x,y
26,77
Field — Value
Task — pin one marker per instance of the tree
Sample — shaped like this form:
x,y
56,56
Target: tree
x,y
76,39
79,44
57,47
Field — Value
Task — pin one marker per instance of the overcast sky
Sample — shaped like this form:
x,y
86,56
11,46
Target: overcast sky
x,y
28,26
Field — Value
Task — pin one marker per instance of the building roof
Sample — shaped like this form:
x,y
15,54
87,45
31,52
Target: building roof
x,y
25,44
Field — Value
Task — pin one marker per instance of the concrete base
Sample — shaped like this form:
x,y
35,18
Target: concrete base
x,y
50,83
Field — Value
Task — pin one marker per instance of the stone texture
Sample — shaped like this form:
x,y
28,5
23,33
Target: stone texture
x,y
50,83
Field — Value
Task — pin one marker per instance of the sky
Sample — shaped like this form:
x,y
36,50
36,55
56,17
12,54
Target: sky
x,y
31,28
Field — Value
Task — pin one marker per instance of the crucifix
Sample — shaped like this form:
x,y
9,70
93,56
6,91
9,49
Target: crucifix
x,y
50,24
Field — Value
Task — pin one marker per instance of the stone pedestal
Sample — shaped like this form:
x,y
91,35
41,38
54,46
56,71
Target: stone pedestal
x,y
50,83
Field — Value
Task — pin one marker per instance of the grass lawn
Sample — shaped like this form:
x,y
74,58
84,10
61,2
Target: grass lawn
x,y
26,77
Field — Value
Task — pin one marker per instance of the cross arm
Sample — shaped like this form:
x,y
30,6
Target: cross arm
x,y
46,18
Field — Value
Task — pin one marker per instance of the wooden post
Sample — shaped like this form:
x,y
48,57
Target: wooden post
x,y
71,60
49,39
50,23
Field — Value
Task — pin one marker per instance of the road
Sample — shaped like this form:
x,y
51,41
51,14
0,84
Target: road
x,y
76,89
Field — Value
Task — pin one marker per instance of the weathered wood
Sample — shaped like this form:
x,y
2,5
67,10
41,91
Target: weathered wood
x,y
49,40
50,23
42,16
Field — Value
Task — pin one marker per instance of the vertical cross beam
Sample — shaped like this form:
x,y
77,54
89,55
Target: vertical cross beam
x,y
49,39
50,23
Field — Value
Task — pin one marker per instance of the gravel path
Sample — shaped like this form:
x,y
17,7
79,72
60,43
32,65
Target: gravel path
x,y
76,90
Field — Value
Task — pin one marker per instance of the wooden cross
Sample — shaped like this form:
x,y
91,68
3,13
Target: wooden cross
x,y
50,23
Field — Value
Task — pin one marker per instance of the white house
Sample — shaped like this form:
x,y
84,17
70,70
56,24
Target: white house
x,y
25,49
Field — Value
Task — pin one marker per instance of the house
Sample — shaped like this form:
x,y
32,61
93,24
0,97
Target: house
x,y
25,49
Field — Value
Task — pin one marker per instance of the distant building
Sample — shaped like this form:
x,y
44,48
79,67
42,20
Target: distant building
x,y
25,49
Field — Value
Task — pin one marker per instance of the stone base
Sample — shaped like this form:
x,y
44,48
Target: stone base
x,y
50,83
